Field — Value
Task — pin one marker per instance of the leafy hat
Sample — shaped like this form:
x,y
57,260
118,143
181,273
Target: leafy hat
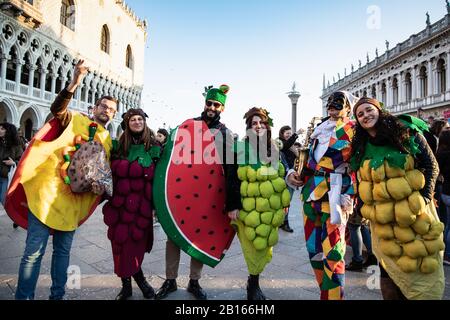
x,y
218,94
260,112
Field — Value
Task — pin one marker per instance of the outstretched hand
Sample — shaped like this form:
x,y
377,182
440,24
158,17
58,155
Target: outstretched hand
x,y
79,73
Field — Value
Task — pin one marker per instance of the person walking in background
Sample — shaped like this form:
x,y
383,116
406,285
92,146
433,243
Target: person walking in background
x,y
161,136
443,157
289,152
360,234
10,153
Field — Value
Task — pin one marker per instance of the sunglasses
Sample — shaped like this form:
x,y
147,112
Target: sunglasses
x,y
212,103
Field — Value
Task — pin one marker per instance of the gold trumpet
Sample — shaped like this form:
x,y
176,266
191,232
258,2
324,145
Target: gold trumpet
x,y
302,158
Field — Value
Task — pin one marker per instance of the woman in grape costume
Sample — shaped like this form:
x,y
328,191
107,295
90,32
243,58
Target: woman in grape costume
x,y
397,172
128,214
264,196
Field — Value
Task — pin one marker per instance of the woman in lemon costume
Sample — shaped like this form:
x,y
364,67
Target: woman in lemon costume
x,y
264,196
39,198
397,172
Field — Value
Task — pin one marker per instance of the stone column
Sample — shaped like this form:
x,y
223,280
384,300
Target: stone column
x,y
414,86
31,80
389,93
447,72
4,59
43,80
54,76
402,88
431,79
18,74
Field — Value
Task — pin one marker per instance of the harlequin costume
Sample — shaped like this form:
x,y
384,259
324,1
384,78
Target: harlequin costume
x,y
40,199
129,213
329,184
396,188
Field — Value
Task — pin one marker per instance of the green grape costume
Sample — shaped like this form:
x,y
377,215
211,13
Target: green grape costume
x,y
264,196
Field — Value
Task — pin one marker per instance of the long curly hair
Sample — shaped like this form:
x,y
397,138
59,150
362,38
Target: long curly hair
x,y
389,130
146,137
268,136
11,138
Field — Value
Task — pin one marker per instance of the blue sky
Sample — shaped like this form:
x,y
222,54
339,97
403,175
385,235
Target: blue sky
x,y
259,48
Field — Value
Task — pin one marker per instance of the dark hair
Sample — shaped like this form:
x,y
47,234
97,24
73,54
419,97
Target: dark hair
x,y
444,141
126,139
110,98
283,130
163,131
269,141
11,137
437,127
389,130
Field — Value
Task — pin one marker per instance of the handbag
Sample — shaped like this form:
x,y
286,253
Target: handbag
x,y
11,172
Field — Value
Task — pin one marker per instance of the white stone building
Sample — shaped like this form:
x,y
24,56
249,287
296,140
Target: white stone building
x,y
414,74
40,42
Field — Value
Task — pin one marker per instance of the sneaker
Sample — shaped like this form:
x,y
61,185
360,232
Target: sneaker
x,y
446,261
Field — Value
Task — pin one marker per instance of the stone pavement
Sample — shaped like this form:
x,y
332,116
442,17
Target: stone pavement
x,y
288,277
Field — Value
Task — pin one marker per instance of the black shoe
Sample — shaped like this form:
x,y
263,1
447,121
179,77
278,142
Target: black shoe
x,y
170,285
15,226
145,287
126,291
285,226
371,261
254,292
196,290
354,266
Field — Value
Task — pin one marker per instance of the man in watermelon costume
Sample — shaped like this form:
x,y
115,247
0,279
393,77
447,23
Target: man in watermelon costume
x,y
328,195
194,191
41,201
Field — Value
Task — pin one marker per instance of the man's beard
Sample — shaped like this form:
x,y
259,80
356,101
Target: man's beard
x,y
207,117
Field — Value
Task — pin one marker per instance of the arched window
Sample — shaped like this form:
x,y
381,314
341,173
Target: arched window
x,y
395,91
67,16
104,43
374,92
383,93
423,81
408,87
129,58
442,81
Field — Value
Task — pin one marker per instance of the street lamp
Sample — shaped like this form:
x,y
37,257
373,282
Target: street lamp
x,y
294,95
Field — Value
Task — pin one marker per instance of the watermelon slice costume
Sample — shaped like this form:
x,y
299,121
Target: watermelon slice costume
x,y
37,185
189,194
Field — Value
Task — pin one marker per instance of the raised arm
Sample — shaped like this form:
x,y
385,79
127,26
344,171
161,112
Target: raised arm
x,y
59,107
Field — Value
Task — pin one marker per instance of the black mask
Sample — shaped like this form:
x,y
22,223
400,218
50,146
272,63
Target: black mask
x,y
337,100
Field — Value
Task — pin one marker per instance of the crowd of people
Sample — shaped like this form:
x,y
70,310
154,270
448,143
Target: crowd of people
x,y
370,179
